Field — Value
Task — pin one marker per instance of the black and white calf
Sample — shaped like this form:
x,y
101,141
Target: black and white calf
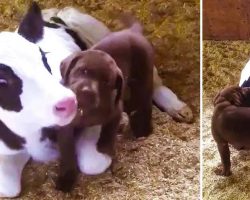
x,y
32,98
245,76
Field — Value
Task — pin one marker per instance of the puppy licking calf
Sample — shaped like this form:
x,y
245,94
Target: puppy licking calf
x,y
122,61
98,84
230,123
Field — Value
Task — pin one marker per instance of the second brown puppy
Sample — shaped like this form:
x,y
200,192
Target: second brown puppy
x,y
231,123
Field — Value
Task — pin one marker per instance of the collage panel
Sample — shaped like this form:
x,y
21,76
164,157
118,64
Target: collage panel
x,y
226,50
100,99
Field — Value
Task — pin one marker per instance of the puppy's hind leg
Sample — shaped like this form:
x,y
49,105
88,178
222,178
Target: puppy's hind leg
x,y
139,109
140,85
11,167
164,98
225,159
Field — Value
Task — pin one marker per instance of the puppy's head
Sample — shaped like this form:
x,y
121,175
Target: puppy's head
x,y
97,82
235,95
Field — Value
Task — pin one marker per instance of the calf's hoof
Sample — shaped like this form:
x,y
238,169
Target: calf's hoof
x,y
183,114
10,193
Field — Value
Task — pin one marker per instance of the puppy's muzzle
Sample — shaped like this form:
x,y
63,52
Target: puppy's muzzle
x,y
87,99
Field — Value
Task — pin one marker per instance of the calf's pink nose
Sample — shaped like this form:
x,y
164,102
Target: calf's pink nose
x,y
65,107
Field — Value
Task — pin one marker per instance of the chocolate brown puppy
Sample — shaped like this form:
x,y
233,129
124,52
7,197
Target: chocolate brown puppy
x,y
121,61
133,55
231,123
98,84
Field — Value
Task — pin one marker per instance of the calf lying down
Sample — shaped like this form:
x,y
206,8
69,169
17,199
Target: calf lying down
x,y
230,123
83,25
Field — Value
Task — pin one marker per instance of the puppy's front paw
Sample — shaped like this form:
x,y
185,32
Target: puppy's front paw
x,y
183,114
66,181
222,172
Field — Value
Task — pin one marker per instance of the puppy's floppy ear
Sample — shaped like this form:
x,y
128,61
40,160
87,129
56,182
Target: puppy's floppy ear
x,y
31,27
66,66
246,91
215,100
246,95
119,86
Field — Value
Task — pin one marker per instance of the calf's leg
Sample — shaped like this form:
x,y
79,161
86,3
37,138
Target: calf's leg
x,y
168,101
11,167
90,160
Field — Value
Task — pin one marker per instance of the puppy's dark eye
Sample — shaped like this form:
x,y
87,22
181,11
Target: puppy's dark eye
x,y
84,71
3,82
106,83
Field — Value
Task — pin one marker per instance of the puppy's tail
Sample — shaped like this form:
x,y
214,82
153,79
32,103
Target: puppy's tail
x,y
131,22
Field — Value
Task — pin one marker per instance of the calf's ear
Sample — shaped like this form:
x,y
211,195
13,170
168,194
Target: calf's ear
x,y
31,27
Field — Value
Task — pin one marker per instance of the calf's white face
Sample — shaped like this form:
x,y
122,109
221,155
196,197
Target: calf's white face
x,y
30,97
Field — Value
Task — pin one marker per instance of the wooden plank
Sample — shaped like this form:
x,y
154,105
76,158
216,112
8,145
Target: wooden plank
x,y
226,19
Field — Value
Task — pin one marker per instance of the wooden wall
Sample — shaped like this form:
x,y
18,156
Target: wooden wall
x,y
226,19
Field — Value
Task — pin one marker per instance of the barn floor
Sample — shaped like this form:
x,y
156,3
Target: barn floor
x,y
165,165
222,64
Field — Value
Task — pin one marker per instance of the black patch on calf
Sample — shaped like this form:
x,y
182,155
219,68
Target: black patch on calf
x,y
58,21
10,89
49,133
31,26
246,83
77,39
51,25
10,139
45,62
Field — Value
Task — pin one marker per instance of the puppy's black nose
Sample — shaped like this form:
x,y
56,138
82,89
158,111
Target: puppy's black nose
x,y
87,98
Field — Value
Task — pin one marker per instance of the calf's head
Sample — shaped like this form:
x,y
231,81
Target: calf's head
x,y
30,98
97,82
